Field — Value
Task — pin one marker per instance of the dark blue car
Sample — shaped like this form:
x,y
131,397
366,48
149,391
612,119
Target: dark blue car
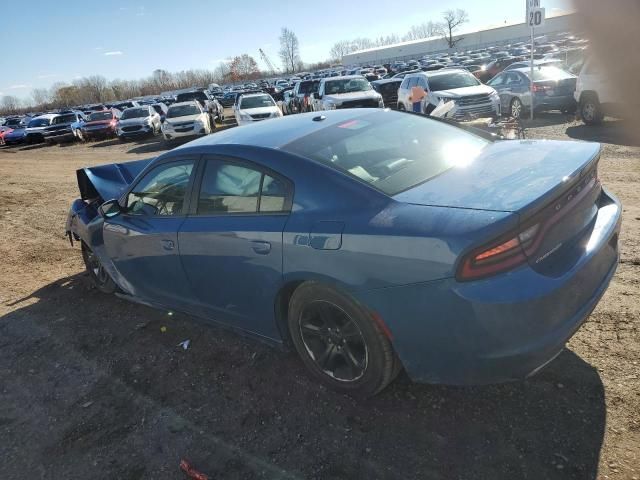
x,y
369,240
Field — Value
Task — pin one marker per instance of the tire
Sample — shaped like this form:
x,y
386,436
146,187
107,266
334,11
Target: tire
x,y
339,342
590,110
516,108
99,276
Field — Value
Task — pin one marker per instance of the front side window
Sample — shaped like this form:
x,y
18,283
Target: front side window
x,y
162,191
232,188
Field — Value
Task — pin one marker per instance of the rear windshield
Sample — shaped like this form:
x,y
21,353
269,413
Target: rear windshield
x,y
548,73
69,118
256,102
135,113
390,151
346,86
182,111
183,97
448,81
96,116
39,122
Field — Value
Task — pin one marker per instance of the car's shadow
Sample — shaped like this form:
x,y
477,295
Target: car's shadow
x,y
152,145
547,119
617,132
104,143
103,379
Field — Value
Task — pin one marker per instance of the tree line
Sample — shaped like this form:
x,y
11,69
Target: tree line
x,y
445,29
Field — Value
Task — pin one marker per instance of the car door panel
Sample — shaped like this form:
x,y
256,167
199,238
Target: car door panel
x,y
142,241
231,252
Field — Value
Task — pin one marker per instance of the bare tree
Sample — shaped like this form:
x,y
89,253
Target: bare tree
x,y
96,86
340,49
452,19
222,71
289,50
40,96
9,103
424,30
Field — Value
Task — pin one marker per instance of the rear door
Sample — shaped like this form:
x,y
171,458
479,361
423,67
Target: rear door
x,y
231,243
142,242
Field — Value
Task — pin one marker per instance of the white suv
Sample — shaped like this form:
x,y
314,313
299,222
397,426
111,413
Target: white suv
x,y
255,107
471,97
595,96
186,119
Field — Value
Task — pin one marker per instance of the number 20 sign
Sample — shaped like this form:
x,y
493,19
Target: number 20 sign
x,y
536,17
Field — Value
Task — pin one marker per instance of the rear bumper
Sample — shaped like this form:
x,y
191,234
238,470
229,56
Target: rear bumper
x,y
501,328
542,103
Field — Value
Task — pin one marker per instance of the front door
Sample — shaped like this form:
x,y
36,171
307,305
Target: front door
x,y
142,242
231,243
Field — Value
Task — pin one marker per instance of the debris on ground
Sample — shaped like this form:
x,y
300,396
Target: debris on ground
x,y
191,472
184,344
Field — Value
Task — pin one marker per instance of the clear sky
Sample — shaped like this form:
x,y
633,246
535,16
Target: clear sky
x,y
46,41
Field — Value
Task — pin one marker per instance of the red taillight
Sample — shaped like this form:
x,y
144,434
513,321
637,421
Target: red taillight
x,y
498,256
537,87
113,122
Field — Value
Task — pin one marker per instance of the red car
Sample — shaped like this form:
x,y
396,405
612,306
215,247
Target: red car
x,y
101,124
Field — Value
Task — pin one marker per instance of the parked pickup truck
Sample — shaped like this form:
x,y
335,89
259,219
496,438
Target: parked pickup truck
x,y
63,127
352,91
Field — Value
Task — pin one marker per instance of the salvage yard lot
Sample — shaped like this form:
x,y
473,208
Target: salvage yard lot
x,y
91,387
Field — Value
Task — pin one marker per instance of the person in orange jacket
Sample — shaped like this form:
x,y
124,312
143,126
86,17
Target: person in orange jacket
x,y
416,97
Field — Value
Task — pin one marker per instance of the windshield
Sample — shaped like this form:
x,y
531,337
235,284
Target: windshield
x,y
390,151
39,122
135,113
64,119
548,73
182,111
449,81
347,85
96,116
183,97
256,102
307,88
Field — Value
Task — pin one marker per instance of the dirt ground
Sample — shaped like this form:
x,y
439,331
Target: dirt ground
x,y
91,387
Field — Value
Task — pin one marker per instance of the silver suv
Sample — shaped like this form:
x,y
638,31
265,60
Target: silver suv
x,y
353,91
471,97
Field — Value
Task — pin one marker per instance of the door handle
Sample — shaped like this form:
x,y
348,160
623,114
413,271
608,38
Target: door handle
x,y
168,244
260,247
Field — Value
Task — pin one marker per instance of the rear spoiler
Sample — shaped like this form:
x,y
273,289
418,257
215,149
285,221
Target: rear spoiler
x,y
106,182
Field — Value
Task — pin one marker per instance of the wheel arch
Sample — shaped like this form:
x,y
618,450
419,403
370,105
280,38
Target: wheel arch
x,y
589,93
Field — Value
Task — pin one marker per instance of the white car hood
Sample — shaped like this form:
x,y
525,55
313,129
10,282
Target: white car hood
x,y
465,91
133,121
345,97
259,110
183,119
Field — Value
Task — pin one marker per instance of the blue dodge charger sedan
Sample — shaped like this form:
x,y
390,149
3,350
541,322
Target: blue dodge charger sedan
x,y
368,240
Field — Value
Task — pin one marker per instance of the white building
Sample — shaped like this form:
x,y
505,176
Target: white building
x,y
470,41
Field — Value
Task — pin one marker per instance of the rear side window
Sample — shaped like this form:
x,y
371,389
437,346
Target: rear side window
x,y
233,188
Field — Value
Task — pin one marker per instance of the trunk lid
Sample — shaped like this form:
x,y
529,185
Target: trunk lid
x,y
508,176
551,184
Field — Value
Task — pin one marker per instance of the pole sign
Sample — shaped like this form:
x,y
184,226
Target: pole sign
x,y
535,18
531,4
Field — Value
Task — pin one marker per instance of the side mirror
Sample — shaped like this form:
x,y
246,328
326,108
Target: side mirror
x,y
110,209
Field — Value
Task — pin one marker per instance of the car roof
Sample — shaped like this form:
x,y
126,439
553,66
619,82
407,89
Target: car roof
x,y
278,132
342,77
256,94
